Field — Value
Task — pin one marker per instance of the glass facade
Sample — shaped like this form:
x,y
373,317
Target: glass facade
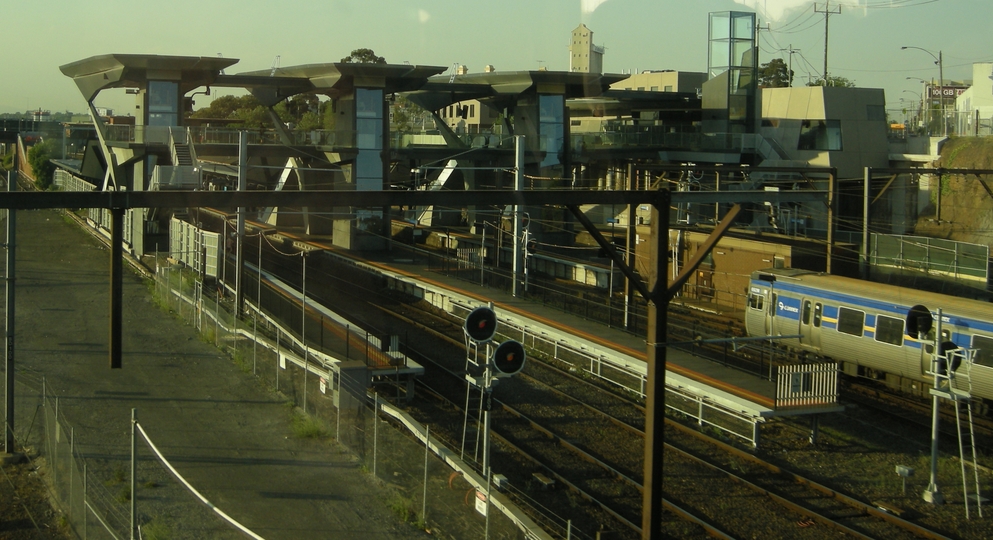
x,y
163,103
551,128
733,53
369,139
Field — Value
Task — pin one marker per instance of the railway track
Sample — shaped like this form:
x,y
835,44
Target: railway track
x,y
614,468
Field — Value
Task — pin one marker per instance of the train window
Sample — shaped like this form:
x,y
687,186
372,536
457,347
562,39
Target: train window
x,y
984,351
889,330
818,309
851,321
806,312
755,301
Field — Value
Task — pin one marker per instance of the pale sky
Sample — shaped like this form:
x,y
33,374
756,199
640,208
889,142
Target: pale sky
x,y
512,35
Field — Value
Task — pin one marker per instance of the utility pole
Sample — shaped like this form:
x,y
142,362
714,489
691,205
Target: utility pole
x,y
791,51
827,16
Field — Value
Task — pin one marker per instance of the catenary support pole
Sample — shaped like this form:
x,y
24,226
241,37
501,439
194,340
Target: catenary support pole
x,y
116,285
239,294
518,185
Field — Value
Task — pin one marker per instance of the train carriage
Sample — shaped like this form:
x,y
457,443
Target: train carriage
x,y
864,326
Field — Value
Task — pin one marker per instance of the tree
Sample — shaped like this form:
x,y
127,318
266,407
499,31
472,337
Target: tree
x,y
834,81
40,158
775,74
363,56
225,107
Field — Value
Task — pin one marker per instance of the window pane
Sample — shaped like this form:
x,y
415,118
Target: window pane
x,y
820,135
984,351
889,330
851,321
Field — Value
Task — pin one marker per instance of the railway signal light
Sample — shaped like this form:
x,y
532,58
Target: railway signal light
x,y
532,246
480,325
509,357
919,321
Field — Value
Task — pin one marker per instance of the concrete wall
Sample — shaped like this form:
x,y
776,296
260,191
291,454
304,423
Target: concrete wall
x,y
860,111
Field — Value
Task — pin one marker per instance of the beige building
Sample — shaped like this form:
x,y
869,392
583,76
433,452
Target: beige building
x,y
827,126
663,81
584,56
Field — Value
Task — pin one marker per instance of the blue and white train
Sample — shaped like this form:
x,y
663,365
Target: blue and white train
x,y
867,327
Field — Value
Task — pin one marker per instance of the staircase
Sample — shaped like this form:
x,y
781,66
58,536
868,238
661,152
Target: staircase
x,y
181,153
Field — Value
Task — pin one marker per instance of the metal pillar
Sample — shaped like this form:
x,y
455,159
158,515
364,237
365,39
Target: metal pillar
x,y
932,494
239,294
116,285
9,370
866,203
658,302
518,184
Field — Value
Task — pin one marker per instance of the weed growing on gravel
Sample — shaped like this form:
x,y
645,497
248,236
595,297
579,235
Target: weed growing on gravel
x,y
157,529
307,427
124,495
119,475
402,506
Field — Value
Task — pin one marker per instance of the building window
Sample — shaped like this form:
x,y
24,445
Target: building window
x,y
668,88
472,110
820,135
655,89
876,113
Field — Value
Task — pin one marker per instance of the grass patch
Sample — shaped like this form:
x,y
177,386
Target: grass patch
x,y
402,507
156,529
124,495
305,426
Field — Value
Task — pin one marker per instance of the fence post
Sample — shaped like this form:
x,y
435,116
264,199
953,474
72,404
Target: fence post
x,y
134,468
375,429
55,447
427,447
72,448
85,514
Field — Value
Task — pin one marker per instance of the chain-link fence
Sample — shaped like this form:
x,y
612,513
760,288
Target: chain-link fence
x,y
326,378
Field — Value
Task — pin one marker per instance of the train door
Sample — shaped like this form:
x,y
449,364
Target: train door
x,y
810,322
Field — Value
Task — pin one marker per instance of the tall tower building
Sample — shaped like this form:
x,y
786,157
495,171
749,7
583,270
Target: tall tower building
x,y
584,56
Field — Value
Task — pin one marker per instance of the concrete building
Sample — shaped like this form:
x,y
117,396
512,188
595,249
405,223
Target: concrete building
x,y
974,106
584,56
665,80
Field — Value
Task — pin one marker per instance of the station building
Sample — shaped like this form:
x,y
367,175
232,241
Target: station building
x,y
583,129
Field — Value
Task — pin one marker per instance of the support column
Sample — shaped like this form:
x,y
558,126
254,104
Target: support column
x,y
658,303
239,294
116,285
9,315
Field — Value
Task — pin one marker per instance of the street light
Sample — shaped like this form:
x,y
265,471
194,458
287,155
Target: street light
x,y
941,85
921,103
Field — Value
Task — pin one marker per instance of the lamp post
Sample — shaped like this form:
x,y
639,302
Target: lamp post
x,y
941,85
924,87
921,102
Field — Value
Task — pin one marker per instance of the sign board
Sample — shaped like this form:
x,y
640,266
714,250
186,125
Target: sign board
x,y
481,502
